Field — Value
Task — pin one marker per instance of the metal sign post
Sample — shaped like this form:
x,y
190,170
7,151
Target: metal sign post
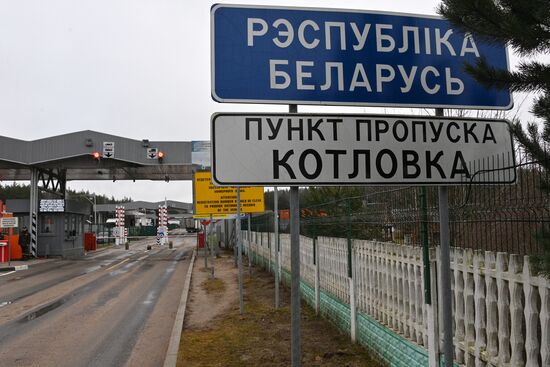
x,y
276,225
295,269
205,249
239,251
211,240
9,223
445,273
249,231
295,274
9,247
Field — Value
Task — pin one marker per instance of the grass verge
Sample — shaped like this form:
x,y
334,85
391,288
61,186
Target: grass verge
x,y
213,286
261,337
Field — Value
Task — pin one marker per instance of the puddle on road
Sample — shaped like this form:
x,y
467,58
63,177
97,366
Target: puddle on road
x,y
5,303
42,311
16,278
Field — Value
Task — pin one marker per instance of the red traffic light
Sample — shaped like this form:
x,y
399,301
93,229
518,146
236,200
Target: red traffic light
x,y
96,155
160,155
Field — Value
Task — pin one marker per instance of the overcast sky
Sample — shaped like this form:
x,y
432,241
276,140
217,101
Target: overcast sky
x,y
135,68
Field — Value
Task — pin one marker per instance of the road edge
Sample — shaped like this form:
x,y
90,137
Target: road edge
x,y
14,268
171,358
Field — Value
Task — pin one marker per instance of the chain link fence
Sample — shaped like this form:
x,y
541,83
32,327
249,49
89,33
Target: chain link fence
x,y
506,218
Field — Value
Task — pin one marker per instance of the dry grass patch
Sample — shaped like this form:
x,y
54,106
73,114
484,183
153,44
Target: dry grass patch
x,y
261,337
213,286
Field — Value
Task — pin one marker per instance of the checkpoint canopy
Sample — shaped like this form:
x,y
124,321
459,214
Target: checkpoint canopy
x,y
116,157
288,55
221,201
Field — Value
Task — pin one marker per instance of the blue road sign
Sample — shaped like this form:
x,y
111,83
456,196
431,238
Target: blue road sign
x,y
343,57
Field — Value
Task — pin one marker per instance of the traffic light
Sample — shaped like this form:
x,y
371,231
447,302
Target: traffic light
x,y
160,156
96,156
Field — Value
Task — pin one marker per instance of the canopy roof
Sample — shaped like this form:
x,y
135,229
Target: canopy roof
x,y
73,153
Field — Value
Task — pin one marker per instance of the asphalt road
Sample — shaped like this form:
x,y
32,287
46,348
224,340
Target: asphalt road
x,y
112,308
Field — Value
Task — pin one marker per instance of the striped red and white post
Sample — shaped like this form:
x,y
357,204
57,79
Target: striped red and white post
x,y
162,226
122,234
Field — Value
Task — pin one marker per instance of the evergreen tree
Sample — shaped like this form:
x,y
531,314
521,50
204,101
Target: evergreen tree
x,y
523,25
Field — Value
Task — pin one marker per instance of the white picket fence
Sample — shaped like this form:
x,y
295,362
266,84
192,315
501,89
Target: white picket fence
x,y
501,311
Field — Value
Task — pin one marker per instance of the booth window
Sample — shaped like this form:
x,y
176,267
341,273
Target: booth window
x,y
47,224
72,225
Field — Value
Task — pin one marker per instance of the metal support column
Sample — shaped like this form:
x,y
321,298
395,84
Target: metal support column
x,y
239,250
249,232
33,212
211,243
445,273
445,276
276,230
295,269
295,274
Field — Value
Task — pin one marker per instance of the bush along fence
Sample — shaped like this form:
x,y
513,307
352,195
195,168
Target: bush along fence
x,y
374,291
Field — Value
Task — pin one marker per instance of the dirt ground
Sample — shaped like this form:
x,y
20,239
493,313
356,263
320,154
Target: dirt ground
x,y
215,334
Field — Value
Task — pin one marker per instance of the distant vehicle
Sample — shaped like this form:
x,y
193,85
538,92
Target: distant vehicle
x,y
190,225
111,221
174,222
103,237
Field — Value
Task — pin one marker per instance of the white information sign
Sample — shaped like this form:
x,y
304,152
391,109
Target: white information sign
x,y
108,149
314,149
9,222
52,205
152,153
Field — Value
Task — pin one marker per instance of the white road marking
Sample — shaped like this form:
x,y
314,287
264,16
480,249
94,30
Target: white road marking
x,y
150,297
8,273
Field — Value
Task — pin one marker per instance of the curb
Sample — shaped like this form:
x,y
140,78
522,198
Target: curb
x,y
173,347
14,268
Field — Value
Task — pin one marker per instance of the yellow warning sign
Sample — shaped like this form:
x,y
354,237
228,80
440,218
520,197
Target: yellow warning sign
x,y
210,199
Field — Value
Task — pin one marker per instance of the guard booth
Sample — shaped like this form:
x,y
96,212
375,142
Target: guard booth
x,y
60,227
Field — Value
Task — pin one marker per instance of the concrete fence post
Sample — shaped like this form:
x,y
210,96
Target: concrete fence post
x,y
316,250
517,334
352,303
433,318
532,315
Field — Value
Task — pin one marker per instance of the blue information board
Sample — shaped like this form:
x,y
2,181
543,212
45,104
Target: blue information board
x,y
343,57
